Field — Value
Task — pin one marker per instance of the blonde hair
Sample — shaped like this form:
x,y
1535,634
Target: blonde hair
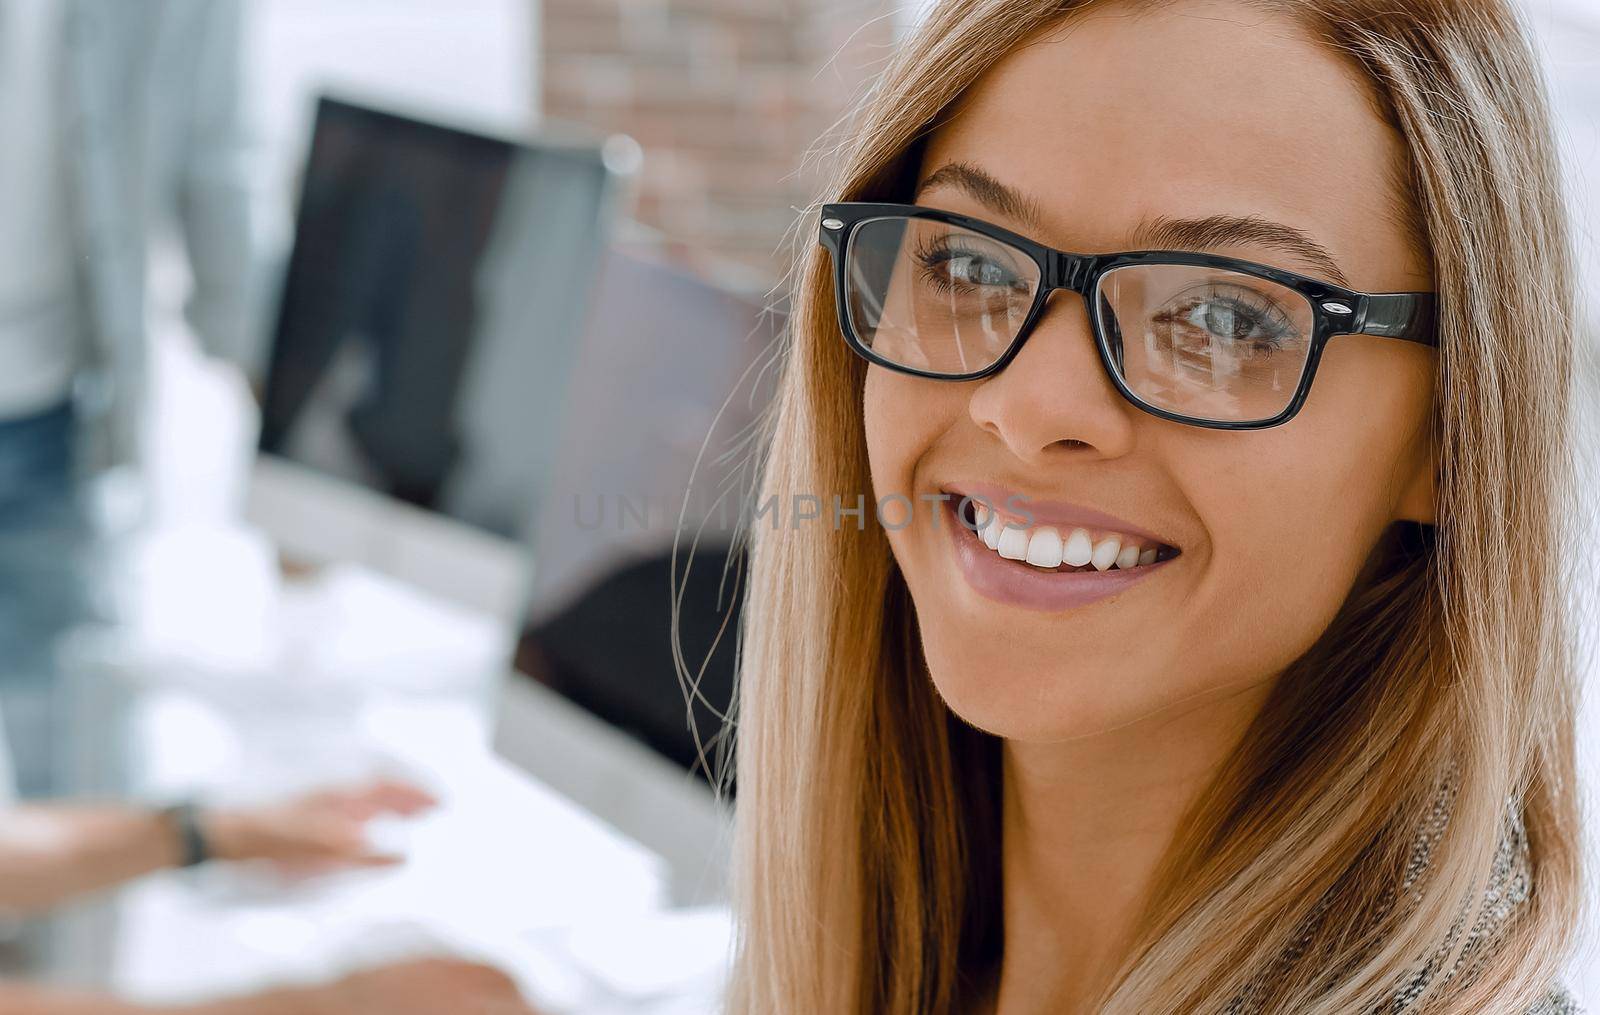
x,y
867,830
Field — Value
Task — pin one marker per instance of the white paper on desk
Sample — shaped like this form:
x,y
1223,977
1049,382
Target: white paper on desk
x,y
667,963
202,596
540,969
379,632
661,955
502,855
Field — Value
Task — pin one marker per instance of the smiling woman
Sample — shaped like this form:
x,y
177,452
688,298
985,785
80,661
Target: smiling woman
x,y
1228,344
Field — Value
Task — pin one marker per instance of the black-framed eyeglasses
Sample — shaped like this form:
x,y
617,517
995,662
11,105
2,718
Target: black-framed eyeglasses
x,y
1196,338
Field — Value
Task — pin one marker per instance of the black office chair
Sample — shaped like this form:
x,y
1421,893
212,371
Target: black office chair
x,y
610,651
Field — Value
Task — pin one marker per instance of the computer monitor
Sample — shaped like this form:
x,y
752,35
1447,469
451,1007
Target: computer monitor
x,y
431,310
655,456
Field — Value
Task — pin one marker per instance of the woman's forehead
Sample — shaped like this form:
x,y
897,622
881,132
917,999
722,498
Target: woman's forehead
x,y
1113,118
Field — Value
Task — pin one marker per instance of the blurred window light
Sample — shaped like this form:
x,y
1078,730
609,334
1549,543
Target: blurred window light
x,y
911,13
1568,41
475,60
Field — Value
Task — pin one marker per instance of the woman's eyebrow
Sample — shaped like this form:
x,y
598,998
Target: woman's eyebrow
x,y
986,190
1163,232
1235,230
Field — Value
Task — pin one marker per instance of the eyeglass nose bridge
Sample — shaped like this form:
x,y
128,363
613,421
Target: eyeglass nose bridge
x,y
1068,271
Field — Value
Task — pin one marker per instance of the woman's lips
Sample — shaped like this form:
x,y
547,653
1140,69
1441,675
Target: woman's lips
x,y
1018,583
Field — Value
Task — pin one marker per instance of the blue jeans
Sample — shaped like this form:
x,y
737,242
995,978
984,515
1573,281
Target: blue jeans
x,y
46,551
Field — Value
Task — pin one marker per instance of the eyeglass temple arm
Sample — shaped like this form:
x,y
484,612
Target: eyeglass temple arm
x,y
1408,316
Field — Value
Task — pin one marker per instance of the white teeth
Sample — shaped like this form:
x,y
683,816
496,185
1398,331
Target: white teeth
x,y
1105,554
1044,548
991,532
1078,550
1013,543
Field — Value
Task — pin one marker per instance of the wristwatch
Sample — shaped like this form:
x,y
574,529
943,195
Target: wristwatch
x,y
184,819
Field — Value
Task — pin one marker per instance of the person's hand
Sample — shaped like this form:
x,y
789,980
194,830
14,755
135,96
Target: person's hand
x,y
422,987
318,832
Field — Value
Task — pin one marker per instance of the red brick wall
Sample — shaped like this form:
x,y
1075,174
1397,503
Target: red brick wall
x,y
724,96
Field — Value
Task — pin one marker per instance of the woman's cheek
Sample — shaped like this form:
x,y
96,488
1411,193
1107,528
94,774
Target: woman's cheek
x,y
895,416
875,425
1281,562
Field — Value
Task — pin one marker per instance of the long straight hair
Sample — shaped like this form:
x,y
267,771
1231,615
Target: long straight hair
x,y
867,836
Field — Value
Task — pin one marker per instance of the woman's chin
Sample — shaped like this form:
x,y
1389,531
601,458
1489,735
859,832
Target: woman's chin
x,y
1057,704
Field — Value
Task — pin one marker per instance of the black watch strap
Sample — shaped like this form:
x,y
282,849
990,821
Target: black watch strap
x,y
184,818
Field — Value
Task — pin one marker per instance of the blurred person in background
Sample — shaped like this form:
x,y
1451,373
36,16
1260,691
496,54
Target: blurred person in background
x,y
118,118
53,853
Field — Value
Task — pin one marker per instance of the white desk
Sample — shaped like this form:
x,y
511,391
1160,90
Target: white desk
x,y
350,676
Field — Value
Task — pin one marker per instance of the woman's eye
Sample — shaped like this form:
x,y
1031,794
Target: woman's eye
x,y
1223,320
969,270
977,271
1230,320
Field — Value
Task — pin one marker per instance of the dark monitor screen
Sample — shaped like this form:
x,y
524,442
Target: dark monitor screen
x,y
396,316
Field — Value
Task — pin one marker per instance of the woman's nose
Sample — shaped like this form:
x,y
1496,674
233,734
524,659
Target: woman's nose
x,y
1055,397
